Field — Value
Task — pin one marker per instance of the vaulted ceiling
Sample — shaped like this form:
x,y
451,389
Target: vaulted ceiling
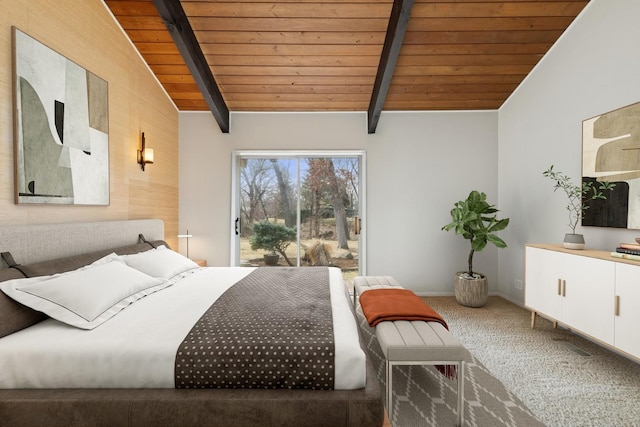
x,y
325,55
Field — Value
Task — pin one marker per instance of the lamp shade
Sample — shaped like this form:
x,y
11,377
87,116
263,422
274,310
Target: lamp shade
x,y
186,236
148,155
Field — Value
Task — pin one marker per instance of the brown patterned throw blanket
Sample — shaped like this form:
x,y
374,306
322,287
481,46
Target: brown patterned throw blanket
x,y
272,329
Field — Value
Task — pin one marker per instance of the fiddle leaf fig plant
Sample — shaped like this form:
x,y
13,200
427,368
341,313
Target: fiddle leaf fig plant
x,y
576,194
475,220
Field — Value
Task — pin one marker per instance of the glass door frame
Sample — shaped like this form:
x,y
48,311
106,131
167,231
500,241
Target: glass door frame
x,y
237,155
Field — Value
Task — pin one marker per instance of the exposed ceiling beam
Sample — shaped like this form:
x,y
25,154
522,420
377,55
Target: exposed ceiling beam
x,y
176,21
398,22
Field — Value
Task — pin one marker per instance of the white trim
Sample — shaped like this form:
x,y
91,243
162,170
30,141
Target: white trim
x,y
362,180
256,154
451,294
234,249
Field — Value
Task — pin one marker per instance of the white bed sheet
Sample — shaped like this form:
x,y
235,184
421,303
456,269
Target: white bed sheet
x,y
137,347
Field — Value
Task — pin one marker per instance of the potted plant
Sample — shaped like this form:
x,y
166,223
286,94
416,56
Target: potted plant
x,y
576,194
475,220
274,238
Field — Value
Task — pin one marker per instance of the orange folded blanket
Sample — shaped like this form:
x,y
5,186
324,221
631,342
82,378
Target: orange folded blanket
x,y
379,305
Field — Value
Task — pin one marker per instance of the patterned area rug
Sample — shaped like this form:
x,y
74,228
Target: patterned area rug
x,y
424,397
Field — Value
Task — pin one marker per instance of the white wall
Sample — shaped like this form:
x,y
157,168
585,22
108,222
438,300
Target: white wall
x,y
594,68
418,165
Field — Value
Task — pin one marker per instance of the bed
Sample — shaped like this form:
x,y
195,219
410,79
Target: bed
x,y
63,369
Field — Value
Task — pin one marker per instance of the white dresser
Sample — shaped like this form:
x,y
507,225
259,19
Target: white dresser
x,y
588,291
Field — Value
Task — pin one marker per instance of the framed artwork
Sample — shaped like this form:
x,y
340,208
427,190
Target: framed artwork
x,y
61,128
611,152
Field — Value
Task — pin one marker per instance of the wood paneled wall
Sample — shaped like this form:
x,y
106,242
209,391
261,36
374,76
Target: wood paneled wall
x,y
85,32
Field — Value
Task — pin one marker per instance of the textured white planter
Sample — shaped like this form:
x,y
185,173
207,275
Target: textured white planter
x,y
573,241
471,292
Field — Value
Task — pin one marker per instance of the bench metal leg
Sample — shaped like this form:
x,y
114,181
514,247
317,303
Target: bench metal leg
x,y
389,384
461,393
389,381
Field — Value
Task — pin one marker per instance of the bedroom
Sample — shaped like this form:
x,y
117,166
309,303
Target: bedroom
x,y
590,71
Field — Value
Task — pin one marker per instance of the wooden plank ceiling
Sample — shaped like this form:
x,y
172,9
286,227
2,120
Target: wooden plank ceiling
x,y
323,55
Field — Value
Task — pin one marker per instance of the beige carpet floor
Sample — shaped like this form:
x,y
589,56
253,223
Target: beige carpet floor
x,y
564,379
517,376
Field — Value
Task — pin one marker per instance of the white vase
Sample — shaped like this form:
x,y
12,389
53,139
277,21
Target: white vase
x,y
573,241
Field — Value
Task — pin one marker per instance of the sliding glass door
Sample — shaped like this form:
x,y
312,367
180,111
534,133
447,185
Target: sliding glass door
x,y
299,209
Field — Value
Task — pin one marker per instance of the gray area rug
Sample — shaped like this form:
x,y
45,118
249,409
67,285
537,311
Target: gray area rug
x,y
517,376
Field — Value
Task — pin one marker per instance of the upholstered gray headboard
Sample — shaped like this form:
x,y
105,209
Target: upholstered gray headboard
x,y
35,243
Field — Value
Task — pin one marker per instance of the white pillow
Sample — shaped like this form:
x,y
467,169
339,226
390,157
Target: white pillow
x,y
160,262
87,297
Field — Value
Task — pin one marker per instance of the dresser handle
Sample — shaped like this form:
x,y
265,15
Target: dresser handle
x,y
616,310
564,288
560,287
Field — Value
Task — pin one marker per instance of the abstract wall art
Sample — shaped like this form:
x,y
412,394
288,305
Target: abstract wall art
x,y
611,152
61,128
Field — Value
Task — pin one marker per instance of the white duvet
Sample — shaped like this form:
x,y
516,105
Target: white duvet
x,y
136,348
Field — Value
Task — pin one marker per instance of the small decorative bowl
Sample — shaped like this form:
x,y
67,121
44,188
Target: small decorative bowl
x,y
638,240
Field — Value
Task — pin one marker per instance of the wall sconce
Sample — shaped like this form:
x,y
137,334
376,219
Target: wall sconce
x,y
145,155
186,236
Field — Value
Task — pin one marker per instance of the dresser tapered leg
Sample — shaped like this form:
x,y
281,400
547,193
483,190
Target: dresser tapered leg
x,y
533,319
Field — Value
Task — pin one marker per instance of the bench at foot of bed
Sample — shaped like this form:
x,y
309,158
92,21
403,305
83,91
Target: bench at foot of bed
x,y
414,343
